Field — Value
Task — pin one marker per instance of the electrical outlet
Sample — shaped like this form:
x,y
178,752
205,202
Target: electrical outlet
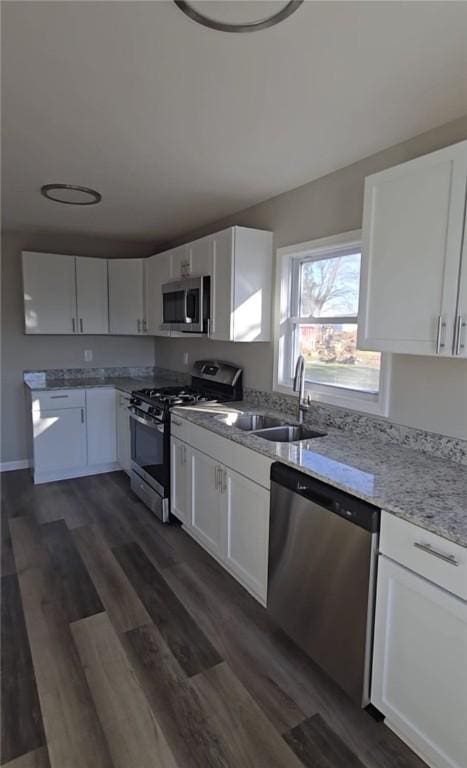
x,y
87,355
185,358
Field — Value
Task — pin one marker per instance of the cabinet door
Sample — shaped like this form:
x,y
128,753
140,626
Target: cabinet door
x,y
123,432
180,458
158,270
207,521
101,422
49,293
460,346
59,439
201,256
221,286
412,233
420,664
181,264
247,529
92,295
126,312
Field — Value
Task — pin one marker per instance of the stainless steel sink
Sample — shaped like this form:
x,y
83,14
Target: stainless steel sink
x,y
251,421
288,433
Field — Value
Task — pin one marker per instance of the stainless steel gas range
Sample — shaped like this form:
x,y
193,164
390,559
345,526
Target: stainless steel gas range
x,y
211,381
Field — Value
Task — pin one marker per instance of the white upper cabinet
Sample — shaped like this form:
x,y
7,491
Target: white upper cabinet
x,y
92,299
126,294
49,293
241,285
157,271
460,338
413,225
201,256
181,264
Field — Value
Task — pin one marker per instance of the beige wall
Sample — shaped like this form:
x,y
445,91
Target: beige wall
x,y
21,352
426,393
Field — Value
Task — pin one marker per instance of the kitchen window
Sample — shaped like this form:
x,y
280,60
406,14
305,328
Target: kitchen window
x,y
317,306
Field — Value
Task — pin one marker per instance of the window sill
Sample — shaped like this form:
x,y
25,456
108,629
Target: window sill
x,y
377,405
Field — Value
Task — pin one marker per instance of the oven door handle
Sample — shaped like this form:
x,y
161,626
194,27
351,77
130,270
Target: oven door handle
x,y
141,420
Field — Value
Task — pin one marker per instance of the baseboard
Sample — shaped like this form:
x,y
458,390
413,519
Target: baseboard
x,y
68,474
9,466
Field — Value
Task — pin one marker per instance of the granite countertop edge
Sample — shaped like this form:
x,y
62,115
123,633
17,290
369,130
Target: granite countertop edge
x,y
123,383
427,491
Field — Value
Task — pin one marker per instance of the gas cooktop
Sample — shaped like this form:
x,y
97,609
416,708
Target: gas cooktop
x,y
170,396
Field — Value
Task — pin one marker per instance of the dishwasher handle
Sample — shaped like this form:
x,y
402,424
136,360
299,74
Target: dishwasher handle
x,y
338,502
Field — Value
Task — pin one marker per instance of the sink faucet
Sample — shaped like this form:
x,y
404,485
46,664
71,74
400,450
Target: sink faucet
x,y
299,386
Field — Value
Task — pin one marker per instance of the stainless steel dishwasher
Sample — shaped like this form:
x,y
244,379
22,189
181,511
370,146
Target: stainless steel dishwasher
x,y
322,569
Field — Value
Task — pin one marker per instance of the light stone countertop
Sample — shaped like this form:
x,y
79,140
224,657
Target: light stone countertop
x,y
427,491
122,383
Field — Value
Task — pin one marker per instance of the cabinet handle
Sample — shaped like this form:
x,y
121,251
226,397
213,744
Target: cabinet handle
x,y
73,324
216,478
81,325
183,454
439,333
139,325
82,415
145,326
430,551
458,343
58,397
224,480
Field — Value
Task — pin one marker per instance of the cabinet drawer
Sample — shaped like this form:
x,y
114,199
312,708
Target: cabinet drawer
x,y
58,398
424,553
233,455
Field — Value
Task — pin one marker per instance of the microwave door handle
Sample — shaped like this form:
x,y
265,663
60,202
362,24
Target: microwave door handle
x,y
189,314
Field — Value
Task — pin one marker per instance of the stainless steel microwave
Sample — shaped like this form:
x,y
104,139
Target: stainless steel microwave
x,y
186,305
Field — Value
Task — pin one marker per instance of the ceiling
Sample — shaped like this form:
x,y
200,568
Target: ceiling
x,y
178,125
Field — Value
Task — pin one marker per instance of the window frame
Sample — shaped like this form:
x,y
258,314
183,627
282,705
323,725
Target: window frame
x,y
287,286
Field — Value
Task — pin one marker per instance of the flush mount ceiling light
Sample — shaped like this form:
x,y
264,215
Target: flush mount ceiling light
x,y
71,194
241,26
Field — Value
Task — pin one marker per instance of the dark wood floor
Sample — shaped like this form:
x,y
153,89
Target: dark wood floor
x,y
125,645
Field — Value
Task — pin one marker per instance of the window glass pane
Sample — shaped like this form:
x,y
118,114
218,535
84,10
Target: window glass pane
x,y
329,287
331,357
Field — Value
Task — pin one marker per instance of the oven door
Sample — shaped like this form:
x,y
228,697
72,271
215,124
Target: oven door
x,y
182,305
150,450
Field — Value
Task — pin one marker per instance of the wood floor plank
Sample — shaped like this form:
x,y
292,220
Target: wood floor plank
x,y
147,531
242,645
21,721
37,759
7,558
120,600
28,547
190,646
74,735
318,746
247,734
133,734
103,509
80,597
176,704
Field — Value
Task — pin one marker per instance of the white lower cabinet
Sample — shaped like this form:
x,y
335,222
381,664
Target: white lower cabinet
x,y
247,531
59,436
207,513
123,432
180,480
420,663
226,512
74,433
101,422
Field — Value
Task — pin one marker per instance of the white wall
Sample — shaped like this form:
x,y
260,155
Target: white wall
x,y
20,352
426,393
